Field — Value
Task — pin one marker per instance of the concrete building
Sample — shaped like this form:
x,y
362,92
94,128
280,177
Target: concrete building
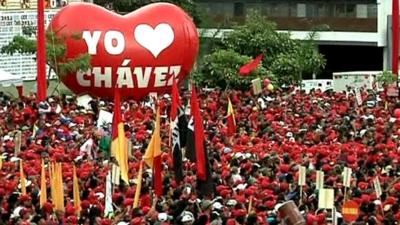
x,y
356,33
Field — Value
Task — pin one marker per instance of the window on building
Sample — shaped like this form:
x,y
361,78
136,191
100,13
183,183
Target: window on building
x,y
280,9
322,10
372,11
238,9
340,10
255,7
292,10
311,10
350,10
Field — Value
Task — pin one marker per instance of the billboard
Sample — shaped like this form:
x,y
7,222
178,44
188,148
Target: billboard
x,y
11,24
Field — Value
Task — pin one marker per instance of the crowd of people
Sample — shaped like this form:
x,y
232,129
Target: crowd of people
x,y
253,172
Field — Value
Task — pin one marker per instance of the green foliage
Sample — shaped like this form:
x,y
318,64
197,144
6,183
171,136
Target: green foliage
x,y
286,58
126,6
80,63
256,36
220,69
55,52
288,67
21,45
302,58
386,78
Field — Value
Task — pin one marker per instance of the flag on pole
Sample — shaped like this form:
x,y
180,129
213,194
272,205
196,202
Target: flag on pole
x,y
59,188
138,186
108,209
52,182
118,145
196,130
251,66
179,128
152,157
195,147
175,102
22,177
43,187
77,197
250,205
231,122
34,130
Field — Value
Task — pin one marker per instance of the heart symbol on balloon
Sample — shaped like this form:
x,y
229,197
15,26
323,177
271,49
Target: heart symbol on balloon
x,y
138,53
155,40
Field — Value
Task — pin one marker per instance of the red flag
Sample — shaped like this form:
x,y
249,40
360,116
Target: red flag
x,y
251,66
198,136
175,100
231,122
41,54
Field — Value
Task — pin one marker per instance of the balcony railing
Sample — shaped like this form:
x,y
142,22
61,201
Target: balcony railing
x,y
356,16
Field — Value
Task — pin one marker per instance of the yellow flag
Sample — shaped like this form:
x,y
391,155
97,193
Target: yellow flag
x,y
43,188
154,148
1,162
59,188
22,177
250,205
118,144
34,131
52,186
77,198
138,186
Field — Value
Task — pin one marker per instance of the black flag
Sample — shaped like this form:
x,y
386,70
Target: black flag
x,y
179,128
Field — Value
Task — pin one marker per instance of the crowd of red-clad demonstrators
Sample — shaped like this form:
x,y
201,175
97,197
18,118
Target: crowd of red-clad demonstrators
x,y
240,176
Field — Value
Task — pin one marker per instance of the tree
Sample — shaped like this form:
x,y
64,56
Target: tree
x,y
386,78
288,59
220,68
302,59
126,6
55,52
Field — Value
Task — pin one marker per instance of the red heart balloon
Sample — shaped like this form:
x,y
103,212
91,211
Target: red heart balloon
x,y
138,53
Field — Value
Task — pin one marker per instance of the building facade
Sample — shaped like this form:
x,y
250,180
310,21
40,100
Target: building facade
x,y
353,34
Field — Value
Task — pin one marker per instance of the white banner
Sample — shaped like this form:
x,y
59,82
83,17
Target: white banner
x,y
17,141
347,176
320,180
256,84
108,209
115,174
377,186
84,101
105,118
326,199
302,176
358,96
